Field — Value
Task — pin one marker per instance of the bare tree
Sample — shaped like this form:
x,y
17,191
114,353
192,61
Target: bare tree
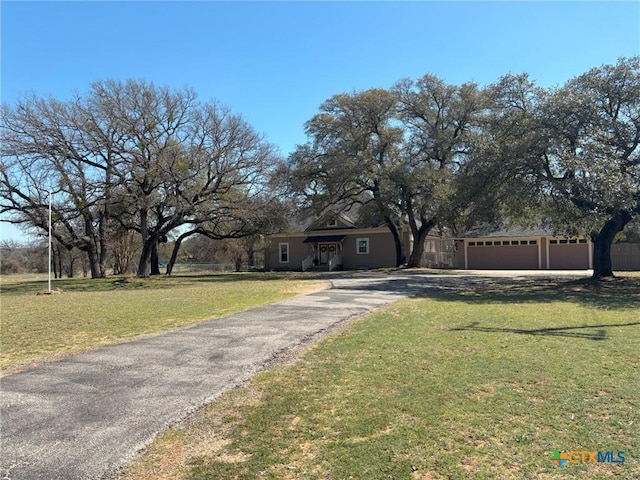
x,y
45,150
149,158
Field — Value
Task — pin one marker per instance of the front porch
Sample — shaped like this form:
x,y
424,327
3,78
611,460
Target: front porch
x,y
324,253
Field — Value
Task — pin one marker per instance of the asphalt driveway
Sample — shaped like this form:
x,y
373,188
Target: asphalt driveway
x,y
85,416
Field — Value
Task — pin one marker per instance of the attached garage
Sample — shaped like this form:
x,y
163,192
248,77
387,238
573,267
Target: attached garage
x,y
503,255
518,249
568,254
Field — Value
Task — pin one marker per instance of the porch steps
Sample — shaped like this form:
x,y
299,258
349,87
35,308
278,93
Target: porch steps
x,y
318,268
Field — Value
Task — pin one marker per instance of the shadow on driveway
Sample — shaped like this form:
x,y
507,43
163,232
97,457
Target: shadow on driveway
x,y
619,293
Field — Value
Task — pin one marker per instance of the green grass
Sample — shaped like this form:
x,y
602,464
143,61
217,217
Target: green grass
x,y
86,313
483,381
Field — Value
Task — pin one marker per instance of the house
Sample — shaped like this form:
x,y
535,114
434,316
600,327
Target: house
x,y
334,241
498,248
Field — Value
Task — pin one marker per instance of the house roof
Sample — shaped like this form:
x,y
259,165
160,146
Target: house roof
x,y
354,217
324,238
502,231
323,221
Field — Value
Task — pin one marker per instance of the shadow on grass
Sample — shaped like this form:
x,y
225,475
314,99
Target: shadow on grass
x,y
611,294
150,283
572,332
617,293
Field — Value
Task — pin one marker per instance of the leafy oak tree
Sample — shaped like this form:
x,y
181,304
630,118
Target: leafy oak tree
x,y
353,149
401,151
441,122
571,155
593,164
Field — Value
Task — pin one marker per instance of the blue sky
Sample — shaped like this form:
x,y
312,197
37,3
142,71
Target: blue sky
x,y
276,62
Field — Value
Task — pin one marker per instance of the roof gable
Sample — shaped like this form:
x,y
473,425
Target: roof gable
x,y
331,221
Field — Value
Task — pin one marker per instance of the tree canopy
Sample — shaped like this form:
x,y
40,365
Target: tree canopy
x,y
401,151
421,155
573,152
133,156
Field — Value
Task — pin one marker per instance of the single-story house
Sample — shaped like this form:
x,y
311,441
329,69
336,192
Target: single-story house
x,y
491,248
334,241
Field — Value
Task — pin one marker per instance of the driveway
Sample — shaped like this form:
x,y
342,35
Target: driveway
x,y
84,417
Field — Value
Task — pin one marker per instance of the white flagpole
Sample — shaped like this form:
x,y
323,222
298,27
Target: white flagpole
x,y
49,291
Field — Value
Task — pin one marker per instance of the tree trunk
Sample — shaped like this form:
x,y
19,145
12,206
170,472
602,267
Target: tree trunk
x,y
396,240
602,242
143,262
419,236
57,266
93,260
72,263
56,262
89,243
176,249
155,260
104,250
146,245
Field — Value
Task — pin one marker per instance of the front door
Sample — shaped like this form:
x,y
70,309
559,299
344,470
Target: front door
x,y
327,250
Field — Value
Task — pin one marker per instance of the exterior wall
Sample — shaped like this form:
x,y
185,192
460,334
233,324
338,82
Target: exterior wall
x,y
460,255
298,251
382,251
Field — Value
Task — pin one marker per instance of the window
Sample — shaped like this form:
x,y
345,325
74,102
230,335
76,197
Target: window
x,y
554,242
514,242
472,244
505,242
362,245
284,252
480,244
533,242
488,243
333,223
582,240
573,240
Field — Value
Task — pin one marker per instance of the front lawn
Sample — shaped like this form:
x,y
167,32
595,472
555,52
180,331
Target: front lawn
x,y
480,382
84,313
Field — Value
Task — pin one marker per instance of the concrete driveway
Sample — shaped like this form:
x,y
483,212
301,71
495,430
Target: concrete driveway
x,y
84,417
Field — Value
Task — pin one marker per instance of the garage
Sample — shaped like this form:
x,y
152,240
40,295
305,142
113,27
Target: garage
x,y
506,254
502,247
569,254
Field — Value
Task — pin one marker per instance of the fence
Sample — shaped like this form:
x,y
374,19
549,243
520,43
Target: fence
x,y
210,267
625,256
439,253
